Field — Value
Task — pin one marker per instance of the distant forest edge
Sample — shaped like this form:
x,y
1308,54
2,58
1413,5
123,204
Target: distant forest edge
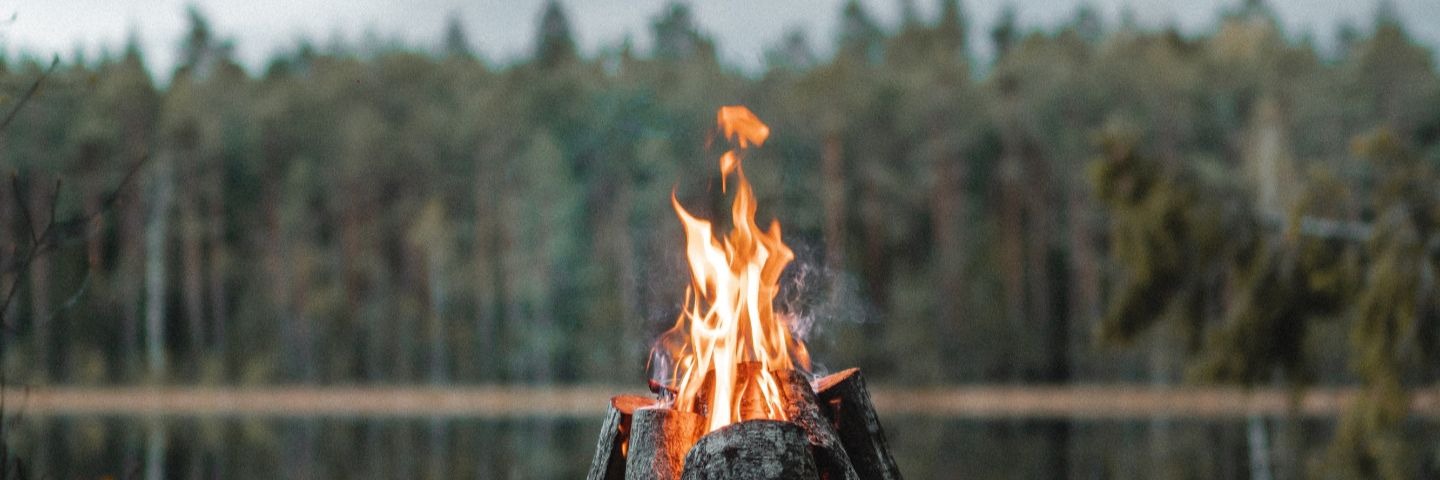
x,y
406,217
1103,204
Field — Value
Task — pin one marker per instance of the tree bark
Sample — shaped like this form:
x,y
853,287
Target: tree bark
x,y
752,450
948,214
659,438
847,402
1012,244
803,409
609,460
439,373
192,267
487,272
156,235
40,308
218,261
130,235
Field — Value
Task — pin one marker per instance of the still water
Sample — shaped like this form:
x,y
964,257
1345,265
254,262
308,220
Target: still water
x,y
560,448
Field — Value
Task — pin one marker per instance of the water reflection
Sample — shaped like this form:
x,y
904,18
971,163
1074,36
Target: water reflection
x,y
549,448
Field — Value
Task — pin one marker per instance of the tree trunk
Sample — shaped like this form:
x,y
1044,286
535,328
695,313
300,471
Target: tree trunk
x,y
39,273
487,273
439,373
130,235
1012,251
1085,300
192,267
948,212
218,260
157,233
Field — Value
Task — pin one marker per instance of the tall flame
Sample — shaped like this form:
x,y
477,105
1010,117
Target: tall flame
x,y
729,318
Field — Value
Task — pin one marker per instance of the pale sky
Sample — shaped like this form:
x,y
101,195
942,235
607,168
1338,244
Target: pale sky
x,y
502,30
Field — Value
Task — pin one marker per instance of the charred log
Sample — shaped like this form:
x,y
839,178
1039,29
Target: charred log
x,y
847,402
802,408
752,450
659,438
609,461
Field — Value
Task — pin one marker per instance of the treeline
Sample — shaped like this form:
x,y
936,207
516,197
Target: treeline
x,y
400,215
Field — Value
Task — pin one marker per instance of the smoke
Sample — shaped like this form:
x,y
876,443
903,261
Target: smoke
x,y
816,298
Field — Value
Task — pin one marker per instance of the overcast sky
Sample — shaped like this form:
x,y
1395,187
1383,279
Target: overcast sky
x,y
503,30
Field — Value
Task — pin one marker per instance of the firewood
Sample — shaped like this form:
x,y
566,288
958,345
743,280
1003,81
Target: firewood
x,y
609,461
802,408
659,438
752,450
748,393
844,396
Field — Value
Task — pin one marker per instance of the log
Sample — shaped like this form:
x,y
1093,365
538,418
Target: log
x,y
846,401
803,409
659,438
752,401
752,450
609,461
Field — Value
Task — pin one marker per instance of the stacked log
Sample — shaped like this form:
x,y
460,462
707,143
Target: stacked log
x,y
849,407
609,460
753,449
803,409
659,439
831,432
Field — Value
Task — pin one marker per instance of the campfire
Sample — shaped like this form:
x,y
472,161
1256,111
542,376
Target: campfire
x,y
733,394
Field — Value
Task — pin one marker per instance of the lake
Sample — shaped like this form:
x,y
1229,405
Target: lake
x,y
925,447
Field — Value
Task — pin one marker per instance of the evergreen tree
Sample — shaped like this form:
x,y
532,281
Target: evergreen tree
x,y
554,44
676,36
860,37
457,43
1005,32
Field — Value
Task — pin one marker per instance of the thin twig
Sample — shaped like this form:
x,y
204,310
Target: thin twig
x,y
75,297
34,88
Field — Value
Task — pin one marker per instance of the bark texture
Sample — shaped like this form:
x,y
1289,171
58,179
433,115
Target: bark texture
x,y
848,403
659,438
609,461
802,408
752,450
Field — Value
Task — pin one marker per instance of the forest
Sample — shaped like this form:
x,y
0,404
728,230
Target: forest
x,y
1095,203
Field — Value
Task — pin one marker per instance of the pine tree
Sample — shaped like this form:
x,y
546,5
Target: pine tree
x,y
554,44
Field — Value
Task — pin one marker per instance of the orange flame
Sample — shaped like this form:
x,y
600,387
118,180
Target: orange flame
x,y
729,316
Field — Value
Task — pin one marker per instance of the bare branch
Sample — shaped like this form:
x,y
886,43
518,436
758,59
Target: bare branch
x,y
34,88
60,232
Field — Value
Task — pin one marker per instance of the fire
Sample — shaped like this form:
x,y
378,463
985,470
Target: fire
x,y
729,319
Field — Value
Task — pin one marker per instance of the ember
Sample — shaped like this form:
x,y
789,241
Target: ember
x,y
736,397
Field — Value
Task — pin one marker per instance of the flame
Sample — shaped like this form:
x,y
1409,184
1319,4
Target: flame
x,y
729,318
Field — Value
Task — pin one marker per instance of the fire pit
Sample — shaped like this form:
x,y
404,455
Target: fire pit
x,y
733,396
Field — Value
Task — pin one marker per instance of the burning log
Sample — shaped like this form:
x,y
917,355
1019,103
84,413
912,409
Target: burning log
x,y
848,403
659,438
803,409
609,461
753,449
